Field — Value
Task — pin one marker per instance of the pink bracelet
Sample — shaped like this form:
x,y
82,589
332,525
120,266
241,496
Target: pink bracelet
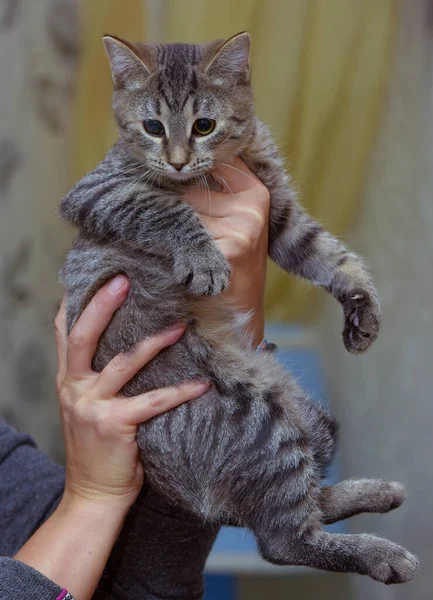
x,y
266,346
64,595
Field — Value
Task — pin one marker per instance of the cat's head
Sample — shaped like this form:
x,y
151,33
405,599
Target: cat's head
x,y
182,108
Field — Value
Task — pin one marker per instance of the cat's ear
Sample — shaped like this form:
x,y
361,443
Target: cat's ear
x,y
127,64
232,59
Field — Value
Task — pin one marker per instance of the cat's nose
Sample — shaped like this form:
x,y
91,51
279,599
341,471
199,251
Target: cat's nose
x,y
178,166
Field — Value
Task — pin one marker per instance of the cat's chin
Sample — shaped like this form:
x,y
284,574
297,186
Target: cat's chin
x,y
180,177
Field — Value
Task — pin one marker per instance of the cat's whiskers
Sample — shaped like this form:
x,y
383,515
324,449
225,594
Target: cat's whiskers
x,y
129,169
206,186
153,178
132,186
150,174
231,191
208,192
126,171
238,170
229,188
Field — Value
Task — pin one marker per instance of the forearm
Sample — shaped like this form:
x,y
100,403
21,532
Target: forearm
x,y
246,289
72,547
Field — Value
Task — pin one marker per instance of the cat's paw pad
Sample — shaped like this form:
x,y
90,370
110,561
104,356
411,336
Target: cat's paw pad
x,y
394,565
203,273
362,320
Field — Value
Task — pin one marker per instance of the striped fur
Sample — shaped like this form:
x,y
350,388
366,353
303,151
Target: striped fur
x,y
254,449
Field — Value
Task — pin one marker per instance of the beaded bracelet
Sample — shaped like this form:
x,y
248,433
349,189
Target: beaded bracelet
x,y
266,346
64,595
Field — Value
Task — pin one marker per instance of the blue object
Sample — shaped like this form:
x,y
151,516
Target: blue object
x,y
219,587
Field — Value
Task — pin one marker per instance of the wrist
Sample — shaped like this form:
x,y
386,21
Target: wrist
x,y
258,328
95,504
72,547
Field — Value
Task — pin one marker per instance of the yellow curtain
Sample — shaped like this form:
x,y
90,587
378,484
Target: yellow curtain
x,y
320,71
95,129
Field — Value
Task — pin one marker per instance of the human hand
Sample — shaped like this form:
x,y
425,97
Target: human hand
x,y
99,425
237,218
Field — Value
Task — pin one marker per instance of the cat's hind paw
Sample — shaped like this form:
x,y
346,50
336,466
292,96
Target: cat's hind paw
x,y
396,565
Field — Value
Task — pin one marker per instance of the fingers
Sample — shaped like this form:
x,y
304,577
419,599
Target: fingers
x,y
216,227
124,366
61,340
146,406
83,339
236,177
210,203
242,192
224,204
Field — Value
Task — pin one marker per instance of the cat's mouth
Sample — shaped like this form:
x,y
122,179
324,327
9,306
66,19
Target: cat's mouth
x,y
180,175
187,174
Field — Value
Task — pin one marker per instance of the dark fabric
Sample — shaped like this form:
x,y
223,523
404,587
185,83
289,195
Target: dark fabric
x,y
160,552
19,581
31,486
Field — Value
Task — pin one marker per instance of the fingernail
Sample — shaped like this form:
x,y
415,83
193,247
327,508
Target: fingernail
x,y
175,331
117,283
203,386
176,327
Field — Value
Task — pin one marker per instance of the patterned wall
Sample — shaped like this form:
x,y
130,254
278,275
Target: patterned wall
x,y
38,58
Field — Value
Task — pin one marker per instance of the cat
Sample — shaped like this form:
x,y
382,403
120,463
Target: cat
x,y
254,449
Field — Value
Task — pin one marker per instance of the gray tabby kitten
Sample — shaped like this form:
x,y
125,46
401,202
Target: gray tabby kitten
x,y
254,449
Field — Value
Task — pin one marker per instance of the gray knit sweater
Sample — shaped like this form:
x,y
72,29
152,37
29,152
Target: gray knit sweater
x,y
160,553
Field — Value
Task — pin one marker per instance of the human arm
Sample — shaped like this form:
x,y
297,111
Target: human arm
x,y
103,472
238,219
31,486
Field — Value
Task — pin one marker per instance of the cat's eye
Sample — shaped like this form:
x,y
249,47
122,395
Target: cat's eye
x,y
154,127
204,126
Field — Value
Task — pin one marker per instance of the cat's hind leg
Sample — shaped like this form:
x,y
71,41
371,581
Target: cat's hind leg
x,y
363,554
356,496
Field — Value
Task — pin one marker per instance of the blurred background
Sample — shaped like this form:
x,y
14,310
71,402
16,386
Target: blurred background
x,y
346,86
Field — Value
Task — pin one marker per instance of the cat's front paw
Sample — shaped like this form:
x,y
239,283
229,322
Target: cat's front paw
x,y
203,273
362,320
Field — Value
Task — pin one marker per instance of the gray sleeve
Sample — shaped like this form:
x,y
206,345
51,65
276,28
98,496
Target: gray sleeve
x,y
18,580
161,553
31,486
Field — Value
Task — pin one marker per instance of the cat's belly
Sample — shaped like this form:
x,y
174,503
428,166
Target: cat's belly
x,y
154,302
197,452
